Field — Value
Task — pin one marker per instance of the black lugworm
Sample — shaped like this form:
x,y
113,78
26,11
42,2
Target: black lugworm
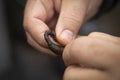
x,y
57,49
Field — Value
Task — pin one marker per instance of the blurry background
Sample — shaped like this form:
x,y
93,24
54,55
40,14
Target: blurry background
x,y
19,61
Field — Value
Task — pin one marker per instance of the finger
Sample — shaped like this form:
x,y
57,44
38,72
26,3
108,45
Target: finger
x,y
91,52
77,73
37,46
49,6
34,18
35,9
104,36
57,4
71,18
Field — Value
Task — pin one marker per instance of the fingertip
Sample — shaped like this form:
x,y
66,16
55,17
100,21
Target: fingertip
x,y
65,37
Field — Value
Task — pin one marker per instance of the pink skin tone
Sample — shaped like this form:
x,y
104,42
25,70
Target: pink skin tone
x,y
92,57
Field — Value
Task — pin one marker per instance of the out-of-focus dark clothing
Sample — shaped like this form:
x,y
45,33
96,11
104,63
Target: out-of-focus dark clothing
x,y
5,49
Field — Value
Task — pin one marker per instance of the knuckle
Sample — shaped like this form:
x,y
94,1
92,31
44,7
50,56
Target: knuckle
x,y
26,25
82,45
86,45
29,41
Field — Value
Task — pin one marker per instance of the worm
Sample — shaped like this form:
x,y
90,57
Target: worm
x,y
57,49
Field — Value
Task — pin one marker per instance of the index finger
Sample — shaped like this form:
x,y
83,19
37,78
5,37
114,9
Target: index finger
x,y
34,21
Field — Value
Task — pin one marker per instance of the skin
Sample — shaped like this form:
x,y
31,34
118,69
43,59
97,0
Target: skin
x,y
92,57
63,16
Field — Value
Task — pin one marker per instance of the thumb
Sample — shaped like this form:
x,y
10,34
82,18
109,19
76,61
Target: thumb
x,y
71,18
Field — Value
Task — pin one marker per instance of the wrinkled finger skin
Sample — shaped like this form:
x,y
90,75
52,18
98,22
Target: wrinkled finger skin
x,y
93,57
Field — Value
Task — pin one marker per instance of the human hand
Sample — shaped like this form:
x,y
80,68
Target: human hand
x,y
63,16
93,57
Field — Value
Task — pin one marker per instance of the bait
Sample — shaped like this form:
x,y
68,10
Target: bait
x,y
57,49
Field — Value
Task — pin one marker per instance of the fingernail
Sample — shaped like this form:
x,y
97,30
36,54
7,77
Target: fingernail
x,y
66,36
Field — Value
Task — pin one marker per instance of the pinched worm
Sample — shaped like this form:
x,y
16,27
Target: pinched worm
x,y
57,49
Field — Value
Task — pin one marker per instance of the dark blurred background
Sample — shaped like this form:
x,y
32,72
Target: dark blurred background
x,y
19,61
